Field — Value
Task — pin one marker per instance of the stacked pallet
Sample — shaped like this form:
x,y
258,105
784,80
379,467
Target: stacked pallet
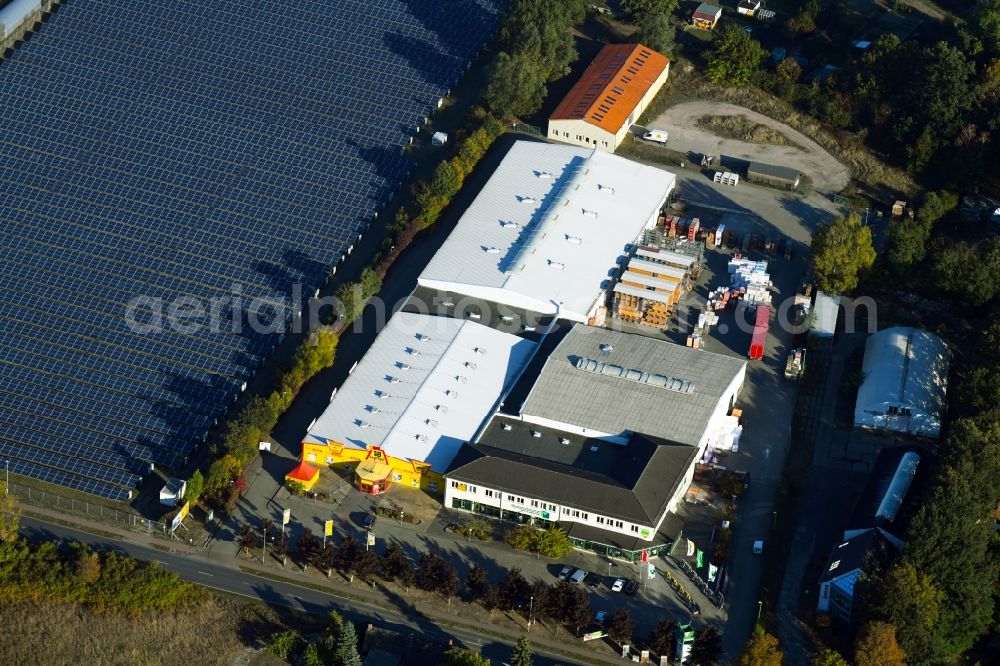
x,y
751,280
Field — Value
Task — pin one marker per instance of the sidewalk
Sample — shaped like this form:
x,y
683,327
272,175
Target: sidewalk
x,y
388,596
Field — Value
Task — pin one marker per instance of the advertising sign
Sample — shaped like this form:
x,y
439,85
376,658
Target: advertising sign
x,y
538,513
328,528
594,635
286,516
371,538
181,515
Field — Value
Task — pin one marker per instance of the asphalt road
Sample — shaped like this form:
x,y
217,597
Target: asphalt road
x,y
277,593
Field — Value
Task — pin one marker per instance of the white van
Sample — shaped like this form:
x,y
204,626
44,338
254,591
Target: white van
x,y
659,136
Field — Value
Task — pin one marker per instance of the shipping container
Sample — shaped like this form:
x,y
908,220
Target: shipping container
x,y
760,327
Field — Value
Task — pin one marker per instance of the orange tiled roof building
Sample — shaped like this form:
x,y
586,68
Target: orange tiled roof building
x,y
610,96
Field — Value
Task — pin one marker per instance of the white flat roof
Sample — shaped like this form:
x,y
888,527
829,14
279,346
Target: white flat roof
x,y
656,267
547,230
423,388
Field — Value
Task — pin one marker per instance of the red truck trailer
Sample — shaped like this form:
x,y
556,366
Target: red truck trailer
x,y
760,327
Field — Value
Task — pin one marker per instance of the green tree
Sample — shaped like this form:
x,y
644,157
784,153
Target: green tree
x,y
906,244
637,9
987,25
805,21
516,84
663,637
325,559
311,657
490,601
514,591
306,548
86,565
841,251
195,486
522,655
828,657
620,626
346,650
552,542
735,57
968,272
284,644
876,646
656,32
435,574
393,563
707,648
545,29
909,601
951,539
935,206
761,650
476,582
345,554
789,70
456,656
10,514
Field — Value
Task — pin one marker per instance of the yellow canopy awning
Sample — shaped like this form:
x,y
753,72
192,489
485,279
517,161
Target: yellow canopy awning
x,y
373,471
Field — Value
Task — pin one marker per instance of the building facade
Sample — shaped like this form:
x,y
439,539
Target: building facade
x,y
610,96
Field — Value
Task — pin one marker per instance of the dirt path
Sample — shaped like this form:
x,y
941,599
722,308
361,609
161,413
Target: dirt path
x,y
827,174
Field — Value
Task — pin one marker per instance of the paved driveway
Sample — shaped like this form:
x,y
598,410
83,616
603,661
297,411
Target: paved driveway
x,y
827,174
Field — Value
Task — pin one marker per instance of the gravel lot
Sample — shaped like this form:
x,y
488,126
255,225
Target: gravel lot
x,y
827,174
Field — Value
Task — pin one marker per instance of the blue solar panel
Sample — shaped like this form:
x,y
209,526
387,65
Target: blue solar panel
x,y
196,148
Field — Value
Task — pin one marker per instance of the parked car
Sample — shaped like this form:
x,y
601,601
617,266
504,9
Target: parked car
x,y
593,579
578,576
658,136
618,585
369,523
565,573
600,617
631,587
758,547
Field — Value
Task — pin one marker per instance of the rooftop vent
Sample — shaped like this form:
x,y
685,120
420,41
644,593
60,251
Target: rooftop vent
x,y
364,424
528,200
470,365
606,348
412,352
423,337
509,225
536,433
461,379
448,304
382,394
451,394
442,408
479,350
564,440
431,422
392,380
544,174
590,213
575,240
558,265
607,189
403,366
373,409
492,250
594,448
505,426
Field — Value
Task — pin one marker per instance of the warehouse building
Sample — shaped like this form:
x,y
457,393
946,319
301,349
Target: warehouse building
x,y
779,176
610,96
426,385
609,385
546,234
906,375
605,443
613,498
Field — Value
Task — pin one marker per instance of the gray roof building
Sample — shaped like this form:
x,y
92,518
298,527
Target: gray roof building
x,y
634,482
773,174
607,385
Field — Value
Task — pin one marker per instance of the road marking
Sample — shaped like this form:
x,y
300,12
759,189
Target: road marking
x,y
205,573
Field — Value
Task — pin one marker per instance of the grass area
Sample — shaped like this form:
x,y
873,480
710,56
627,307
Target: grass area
x,y
744,129
866,168
55,633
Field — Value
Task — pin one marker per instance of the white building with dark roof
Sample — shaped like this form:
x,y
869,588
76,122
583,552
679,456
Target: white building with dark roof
x,y
906,376
548,230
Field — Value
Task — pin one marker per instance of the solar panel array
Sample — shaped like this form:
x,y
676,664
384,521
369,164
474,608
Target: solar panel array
x,y
195,148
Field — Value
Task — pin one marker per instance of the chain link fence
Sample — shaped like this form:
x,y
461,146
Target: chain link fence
x,y
106,514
